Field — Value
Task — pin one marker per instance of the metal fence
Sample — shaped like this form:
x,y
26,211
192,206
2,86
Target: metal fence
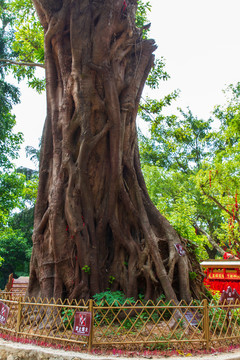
x,y
159,326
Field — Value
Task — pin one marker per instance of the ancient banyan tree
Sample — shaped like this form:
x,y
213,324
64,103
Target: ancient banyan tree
x,y
95,226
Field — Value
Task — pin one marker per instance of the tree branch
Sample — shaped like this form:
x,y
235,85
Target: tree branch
x,y
22,63
210,239
49,7
220,205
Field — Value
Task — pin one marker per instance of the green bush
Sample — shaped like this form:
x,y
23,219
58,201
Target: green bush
x,y
68,318
112,298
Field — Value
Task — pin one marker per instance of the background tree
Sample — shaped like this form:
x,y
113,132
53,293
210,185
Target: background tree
x,y
198,167
15,251
219,180
17,227
10,181
17,186
25,44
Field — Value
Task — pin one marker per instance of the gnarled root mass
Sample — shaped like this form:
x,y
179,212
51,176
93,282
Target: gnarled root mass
x,y
95,225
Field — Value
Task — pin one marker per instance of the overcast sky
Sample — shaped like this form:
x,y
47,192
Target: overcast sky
x,y
200,42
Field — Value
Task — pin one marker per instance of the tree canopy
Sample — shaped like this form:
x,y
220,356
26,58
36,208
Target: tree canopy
x,y
17,186
191,167
10,181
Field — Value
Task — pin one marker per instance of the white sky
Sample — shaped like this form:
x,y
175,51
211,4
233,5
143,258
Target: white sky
x,y
200,42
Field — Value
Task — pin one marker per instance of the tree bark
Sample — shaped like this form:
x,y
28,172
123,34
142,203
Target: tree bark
x,y
95,226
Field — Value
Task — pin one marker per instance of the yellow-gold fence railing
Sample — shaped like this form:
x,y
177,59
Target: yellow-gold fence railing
x,y
224,321
149,324
145,325
52,320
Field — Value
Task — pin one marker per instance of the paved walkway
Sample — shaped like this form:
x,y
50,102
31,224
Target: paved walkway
x,y
11,351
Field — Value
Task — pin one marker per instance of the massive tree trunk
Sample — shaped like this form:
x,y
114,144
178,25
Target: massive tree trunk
x,y
95,225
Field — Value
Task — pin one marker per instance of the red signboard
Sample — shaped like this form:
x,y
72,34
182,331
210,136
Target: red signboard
x,y
221,274
82,323
216,276
233,276
4,311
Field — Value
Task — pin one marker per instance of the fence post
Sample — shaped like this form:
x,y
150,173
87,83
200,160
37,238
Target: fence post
x,y
90,338
19,315
206,323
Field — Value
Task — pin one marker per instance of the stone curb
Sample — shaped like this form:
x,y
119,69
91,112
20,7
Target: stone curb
x,y
17,351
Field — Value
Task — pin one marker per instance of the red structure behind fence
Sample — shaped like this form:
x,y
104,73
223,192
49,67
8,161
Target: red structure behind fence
x,y
222,273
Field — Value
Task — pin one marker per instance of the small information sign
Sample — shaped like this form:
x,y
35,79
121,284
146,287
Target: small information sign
x,y
230,297
180,250
192,317
82,323
4,311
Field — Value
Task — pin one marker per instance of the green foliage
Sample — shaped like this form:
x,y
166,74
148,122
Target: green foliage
x,y
9,142
161,343
218,320
11,190
9,96
114,298
157,74
218,180
178,143
192,275
33,154
86,269
15,250
6,34
192,170
68,318
141,16
130,318
217,315
23,221
18,190
111,279
174,194
27,42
